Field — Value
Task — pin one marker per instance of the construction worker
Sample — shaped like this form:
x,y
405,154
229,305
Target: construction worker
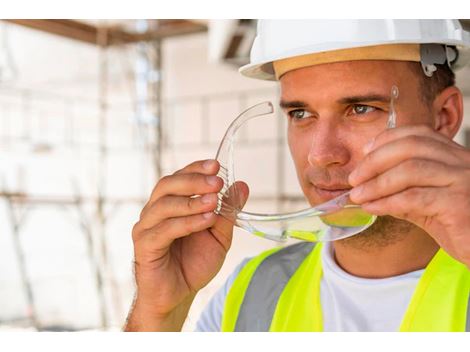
x,y
409,271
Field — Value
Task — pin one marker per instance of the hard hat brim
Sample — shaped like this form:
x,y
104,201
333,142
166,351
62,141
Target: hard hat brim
x,y
266,70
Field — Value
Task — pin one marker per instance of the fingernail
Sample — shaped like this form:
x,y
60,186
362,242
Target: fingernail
x,y
356,192
206,198
368,147
211,180
208,164
208,215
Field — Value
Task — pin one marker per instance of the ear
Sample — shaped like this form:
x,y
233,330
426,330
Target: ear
x,y
448,111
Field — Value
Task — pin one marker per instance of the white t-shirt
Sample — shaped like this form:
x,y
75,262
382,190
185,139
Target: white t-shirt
x,y
349,303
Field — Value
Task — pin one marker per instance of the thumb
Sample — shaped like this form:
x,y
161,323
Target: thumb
x,y
232,203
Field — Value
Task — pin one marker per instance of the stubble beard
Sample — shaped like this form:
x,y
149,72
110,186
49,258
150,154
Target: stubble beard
x,y
385,231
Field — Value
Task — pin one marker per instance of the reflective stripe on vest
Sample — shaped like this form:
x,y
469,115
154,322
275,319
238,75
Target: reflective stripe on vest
x,y
280,291
276,270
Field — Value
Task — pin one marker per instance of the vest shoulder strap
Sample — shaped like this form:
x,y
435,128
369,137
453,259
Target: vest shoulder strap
x,y
262,281
441,299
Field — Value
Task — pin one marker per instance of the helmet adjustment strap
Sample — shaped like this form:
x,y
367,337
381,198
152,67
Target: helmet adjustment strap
x,y
432,54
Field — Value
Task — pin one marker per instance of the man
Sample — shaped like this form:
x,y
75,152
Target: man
x,y
410,270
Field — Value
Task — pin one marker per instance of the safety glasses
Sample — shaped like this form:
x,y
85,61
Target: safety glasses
x,y
335,219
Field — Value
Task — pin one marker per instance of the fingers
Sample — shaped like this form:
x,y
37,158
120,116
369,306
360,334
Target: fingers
x,y
393,153
174,196
174,212
183,185
188,185
419,202
177,206
166,184
164,233
415,130
407,174
205,167
154,233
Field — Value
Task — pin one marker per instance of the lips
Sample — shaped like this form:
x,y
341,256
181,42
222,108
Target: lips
x,y
332,187
327,192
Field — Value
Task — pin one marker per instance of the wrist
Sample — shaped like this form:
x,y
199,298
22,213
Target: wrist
x,y
145,317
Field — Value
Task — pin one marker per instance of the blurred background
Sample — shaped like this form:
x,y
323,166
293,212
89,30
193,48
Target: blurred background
x,y
92,114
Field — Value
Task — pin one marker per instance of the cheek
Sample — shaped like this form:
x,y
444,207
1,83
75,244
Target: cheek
x,y
416,115
299,148
354,142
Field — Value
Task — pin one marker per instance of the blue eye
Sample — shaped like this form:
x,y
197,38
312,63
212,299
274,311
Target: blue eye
x,y
299,114
363,109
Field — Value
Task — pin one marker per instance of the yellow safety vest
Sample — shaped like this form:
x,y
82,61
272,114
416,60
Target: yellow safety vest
x,y
279,290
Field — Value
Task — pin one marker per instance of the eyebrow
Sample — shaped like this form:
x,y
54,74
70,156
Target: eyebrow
x,y
285,104
364,99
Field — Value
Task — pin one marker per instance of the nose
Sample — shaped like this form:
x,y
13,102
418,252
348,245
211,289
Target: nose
x,y
327,148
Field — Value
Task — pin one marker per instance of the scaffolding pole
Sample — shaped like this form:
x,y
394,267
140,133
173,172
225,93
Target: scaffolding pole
x,y
15,223
156,96
103,42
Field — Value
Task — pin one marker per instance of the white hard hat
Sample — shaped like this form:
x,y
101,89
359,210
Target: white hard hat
x,y
321,41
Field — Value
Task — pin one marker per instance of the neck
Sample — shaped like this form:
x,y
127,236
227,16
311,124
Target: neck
x,y
409,252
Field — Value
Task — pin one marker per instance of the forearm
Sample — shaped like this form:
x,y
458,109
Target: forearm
x,y
142,318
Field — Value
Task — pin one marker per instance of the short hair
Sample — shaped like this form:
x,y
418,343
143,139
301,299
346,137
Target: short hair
x,y
431,87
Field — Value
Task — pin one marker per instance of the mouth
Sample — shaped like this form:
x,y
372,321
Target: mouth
x,y
329,192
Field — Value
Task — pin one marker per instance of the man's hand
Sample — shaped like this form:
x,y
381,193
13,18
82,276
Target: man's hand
x,y
180,244
417,174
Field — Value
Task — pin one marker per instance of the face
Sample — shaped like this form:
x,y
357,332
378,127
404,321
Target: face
x,y
333,110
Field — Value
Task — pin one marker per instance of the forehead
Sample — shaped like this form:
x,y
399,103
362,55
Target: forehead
x,y
346,78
